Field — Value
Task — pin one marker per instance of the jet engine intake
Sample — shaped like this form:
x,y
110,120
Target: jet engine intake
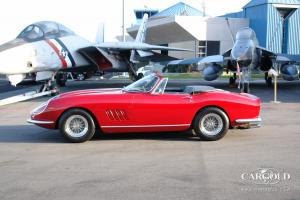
x,y
212,72
290,72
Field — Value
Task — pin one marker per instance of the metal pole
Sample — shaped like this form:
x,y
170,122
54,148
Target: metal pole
x,y
203,8
123,19
275,74
275,89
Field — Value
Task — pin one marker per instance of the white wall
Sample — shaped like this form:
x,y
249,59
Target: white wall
x,y
212,29
183,54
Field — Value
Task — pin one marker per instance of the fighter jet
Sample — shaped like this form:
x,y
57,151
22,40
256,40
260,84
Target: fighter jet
x,y
247,56
44,49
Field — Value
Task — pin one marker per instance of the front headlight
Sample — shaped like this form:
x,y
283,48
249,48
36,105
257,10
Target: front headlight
x,y
42,107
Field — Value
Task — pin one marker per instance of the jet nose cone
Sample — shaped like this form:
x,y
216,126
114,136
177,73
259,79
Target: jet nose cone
x,y
14,58
242,50
11,44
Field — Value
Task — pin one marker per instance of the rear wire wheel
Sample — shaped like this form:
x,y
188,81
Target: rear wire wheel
x,y
211,124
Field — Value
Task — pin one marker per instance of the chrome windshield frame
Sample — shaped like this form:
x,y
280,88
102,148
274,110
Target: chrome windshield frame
x,y
139,89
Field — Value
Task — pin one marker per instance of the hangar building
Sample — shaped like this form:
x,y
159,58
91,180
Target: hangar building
x,y
276,23
183,26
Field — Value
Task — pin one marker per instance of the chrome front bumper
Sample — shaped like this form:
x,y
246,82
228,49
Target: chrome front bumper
x,y
39,121
249,123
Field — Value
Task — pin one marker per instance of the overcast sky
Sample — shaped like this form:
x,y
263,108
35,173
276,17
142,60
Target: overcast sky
x,y
83,17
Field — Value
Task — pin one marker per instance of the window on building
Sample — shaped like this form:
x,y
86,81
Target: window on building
x,y
213,48
202,48
164,52
208,48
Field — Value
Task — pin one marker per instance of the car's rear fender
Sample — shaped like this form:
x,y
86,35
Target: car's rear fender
x,y
211,106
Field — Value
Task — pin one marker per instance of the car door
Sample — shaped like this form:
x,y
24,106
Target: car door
x,y
114,111
156,111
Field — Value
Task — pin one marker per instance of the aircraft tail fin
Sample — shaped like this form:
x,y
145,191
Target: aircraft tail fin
x,y
141,35
140,38
100,33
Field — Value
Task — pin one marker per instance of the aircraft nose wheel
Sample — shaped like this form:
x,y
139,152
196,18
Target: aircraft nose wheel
x,y
268,80
245,90
245,84
232,81
49,86
61,79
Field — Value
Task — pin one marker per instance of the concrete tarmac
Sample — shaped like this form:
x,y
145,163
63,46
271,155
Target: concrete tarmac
x,y
37,163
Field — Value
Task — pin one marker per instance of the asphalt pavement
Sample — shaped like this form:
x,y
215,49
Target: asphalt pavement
x,y
261,163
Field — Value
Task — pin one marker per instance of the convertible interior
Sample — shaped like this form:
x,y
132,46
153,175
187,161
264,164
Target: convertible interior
x,y
191,89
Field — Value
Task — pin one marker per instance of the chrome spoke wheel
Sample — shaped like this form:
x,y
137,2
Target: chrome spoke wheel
x,y
211,124
76,126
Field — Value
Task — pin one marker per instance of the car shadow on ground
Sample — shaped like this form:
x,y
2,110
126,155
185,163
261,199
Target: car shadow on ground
x,y
168,136
28,134
34,134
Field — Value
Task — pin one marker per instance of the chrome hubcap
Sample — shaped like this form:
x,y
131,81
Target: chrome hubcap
x,y
211,124
76,126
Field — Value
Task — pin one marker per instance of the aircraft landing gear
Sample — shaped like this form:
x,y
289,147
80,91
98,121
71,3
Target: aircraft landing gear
x,y
232,80
49,86
132,71
132,76
61,79
268,80
245,82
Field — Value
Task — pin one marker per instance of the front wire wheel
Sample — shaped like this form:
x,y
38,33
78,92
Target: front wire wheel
x,y
77,125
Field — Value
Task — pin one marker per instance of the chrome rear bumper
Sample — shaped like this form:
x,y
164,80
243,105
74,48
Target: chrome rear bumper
x,y
249,123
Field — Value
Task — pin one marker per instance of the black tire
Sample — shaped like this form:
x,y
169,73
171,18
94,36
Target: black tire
x,y
53,86
83,117
232,81
132,77
80,76
60,80
216,114
269,82
56,92
140,75
245,90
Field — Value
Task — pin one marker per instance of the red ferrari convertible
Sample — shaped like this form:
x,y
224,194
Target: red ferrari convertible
x,y
147,106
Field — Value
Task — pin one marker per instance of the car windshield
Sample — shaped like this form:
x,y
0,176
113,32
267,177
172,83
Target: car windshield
x,y
145,84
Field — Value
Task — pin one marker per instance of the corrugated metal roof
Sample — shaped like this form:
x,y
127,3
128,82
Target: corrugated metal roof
x,y
180,9
259,2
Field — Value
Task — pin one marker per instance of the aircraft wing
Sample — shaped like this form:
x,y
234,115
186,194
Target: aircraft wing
x,y
284,58
227,53
211,59
156,57
281,58
123,46
266,52
176,61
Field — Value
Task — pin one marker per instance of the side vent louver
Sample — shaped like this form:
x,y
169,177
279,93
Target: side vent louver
x,y
116,114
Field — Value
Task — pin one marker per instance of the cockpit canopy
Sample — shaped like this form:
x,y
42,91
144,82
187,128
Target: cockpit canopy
x,y
245,33
44,30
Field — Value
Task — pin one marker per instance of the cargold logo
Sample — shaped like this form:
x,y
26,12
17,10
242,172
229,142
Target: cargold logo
x,y
265,176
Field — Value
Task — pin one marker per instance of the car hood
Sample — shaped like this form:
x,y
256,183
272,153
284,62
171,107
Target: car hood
x,y
91,92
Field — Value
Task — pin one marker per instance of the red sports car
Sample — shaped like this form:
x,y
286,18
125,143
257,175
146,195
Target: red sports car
x,y
147,106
